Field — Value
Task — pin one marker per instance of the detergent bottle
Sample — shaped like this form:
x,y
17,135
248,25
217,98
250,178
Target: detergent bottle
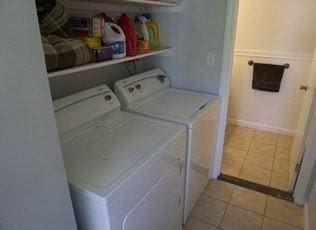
x,y
153,30
114,36
128,28
143,45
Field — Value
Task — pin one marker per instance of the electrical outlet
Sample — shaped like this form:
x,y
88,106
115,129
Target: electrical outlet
x,y
211,57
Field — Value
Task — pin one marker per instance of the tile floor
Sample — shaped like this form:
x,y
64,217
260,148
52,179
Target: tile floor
x,y
229,207
257,156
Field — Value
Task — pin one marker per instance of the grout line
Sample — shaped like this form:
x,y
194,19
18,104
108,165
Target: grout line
x,y
274,155
280,221
213,198
224,213
213,225
236,206
265,206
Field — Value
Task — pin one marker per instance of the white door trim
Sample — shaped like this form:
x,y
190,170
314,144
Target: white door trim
x,y
226,74
308,161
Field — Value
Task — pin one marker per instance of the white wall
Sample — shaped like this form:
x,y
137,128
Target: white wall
x,y
275,32
282,26
194,33
191,37
34,193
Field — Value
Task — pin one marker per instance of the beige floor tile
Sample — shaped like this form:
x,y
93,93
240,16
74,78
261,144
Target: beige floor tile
x,y
265,137
255,174
242,133
270,224
226,138
234,154
230,127
209,210
257,160
231,167
264,149
282,153
238,143
242,130
194,224
248,199
239,219
241,136
219,190
280,181
284,211
281,166
285,141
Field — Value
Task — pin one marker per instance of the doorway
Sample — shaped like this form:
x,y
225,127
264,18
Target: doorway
x,y
265,131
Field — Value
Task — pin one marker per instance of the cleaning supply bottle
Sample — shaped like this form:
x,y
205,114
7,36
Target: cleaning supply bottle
x,y
153,30
128,27
143,45
114,36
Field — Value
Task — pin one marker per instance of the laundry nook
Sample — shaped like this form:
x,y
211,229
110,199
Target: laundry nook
x,y
158,115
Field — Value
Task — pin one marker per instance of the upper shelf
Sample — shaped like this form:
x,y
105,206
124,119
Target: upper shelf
x,y
135,6
140,2
106,63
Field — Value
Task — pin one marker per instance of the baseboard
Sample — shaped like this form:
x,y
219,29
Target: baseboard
x,y
306,223
268,128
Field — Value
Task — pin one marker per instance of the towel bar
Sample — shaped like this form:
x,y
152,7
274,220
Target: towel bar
x,y
286,66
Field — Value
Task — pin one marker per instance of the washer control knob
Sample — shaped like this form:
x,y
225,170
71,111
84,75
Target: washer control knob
x,y
138,86
108,97
161,78
130,89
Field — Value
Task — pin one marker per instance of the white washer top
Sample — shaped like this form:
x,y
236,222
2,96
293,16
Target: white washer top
x,y
101,157
153,96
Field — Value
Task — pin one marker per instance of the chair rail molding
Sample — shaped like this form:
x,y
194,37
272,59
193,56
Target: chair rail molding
x,y
274,54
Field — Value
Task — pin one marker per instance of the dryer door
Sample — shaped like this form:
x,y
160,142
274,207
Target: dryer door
x,y
160,208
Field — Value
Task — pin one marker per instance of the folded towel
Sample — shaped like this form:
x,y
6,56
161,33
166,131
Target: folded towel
x,y
267,77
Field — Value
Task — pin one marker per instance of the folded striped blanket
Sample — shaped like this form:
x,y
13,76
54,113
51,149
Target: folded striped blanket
x,y
61,53
56,22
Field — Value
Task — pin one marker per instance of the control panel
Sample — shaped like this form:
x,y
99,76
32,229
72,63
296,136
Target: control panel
x,y
141,86
86,106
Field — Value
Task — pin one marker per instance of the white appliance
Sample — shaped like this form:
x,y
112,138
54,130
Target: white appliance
x,y
124,170
150,94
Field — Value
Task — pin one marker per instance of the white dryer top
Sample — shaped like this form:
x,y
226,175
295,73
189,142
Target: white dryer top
x,y
176,105
154,97
103,157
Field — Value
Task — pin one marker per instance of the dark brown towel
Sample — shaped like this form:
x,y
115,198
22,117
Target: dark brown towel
x,y
267,77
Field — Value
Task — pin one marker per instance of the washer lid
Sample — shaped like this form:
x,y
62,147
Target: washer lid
x,y
102,158
176,105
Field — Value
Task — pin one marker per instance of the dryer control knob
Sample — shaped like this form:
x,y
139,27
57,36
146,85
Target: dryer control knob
x,y
131,89
108,97
138,86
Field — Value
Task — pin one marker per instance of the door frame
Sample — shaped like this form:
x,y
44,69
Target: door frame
x,y
226,75
308,159
304,176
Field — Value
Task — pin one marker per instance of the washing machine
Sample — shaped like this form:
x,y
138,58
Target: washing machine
x,y
151,94
124,170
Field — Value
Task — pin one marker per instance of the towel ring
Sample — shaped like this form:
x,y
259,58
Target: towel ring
x,y
286,65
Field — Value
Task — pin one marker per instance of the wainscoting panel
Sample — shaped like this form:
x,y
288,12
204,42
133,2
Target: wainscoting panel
x,y
276,112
